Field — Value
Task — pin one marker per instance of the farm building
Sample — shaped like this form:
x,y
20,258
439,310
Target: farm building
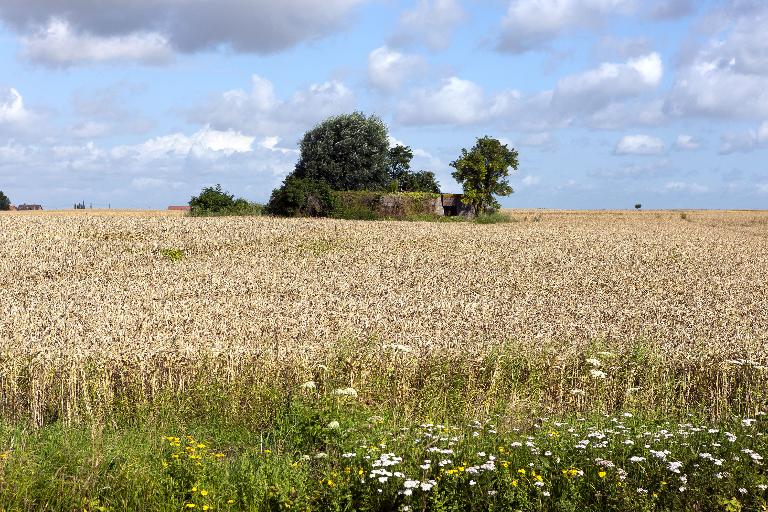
x,y
11,208
179,208
26,207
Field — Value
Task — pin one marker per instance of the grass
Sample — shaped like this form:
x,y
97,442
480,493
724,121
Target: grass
x,y
331,452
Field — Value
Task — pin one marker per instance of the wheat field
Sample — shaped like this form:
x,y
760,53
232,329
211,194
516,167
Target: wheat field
x,y
556,311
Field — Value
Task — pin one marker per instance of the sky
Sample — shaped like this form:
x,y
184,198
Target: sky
x,y
142,103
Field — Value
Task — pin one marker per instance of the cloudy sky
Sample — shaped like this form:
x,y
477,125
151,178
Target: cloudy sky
x,y
140,103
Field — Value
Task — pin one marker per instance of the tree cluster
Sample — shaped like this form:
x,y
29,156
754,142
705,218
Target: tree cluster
x,y
213,201
346,152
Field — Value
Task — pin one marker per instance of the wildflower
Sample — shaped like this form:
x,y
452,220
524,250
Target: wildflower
x,y
601,474
333,425
636,459
203,492
594,362
545,493
472,482
229,502
345,392
640,490
674,466
742,490
190,505
538,484
598,374
514,482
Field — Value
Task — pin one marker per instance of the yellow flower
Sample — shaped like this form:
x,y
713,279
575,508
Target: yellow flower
x,y
360,471
201,445
461,468
219,455
194,489
206,507
229,502
267,452
514,482
538,478
190,505
203,493
601,474
521,471
330,483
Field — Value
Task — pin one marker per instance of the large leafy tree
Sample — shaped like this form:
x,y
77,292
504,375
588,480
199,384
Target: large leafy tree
x,y
5,203
348,152
483,172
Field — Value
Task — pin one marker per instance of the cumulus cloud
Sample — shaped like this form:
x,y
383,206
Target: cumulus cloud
x,y
430,22
529,24
455,101
58,45
727,75
597,88
147,30
745,141
167,169
388,69
640,145
12,110
260,111
686,143
595,98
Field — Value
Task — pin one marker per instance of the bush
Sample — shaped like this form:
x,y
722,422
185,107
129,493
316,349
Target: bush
x,y
301,197
214,201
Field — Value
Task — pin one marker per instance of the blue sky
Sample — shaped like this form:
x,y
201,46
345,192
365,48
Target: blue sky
x,y
609,102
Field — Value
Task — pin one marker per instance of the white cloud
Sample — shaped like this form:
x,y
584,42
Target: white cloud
x,y
537,139
745,141
529,24
531,180
259,111
686,143
147,30
12,110
201,144
682,186
596,98
727,76
430,22
597,88
58,45
640,145
388,69
456,101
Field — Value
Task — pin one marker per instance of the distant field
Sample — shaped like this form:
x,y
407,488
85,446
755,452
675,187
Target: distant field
x,y
672,305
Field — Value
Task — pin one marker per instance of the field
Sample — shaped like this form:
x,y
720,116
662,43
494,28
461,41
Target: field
x,y
126,331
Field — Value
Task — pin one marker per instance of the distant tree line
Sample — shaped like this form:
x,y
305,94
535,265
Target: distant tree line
x,y
5,203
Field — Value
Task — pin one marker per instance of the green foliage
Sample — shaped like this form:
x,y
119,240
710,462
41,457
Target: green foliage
x,y
320,451
422,181
483,173
172,254
348,152
399,162
5,203
401,176
299,197
213,201
492,218
368,205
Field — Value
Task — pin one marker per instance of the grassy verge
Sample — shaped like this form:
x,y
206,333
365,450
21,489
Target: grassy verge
x,y
334,453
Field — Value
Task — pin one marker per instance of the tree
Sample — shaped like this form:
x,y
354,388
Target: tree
x,y
399,162
638,206
5,203
348,152
483,172
422,181
299,197
400,173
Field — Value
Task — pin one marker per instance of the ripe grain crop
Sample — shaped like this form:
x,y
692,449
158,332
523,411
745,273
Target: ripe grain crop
x,y
558,311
